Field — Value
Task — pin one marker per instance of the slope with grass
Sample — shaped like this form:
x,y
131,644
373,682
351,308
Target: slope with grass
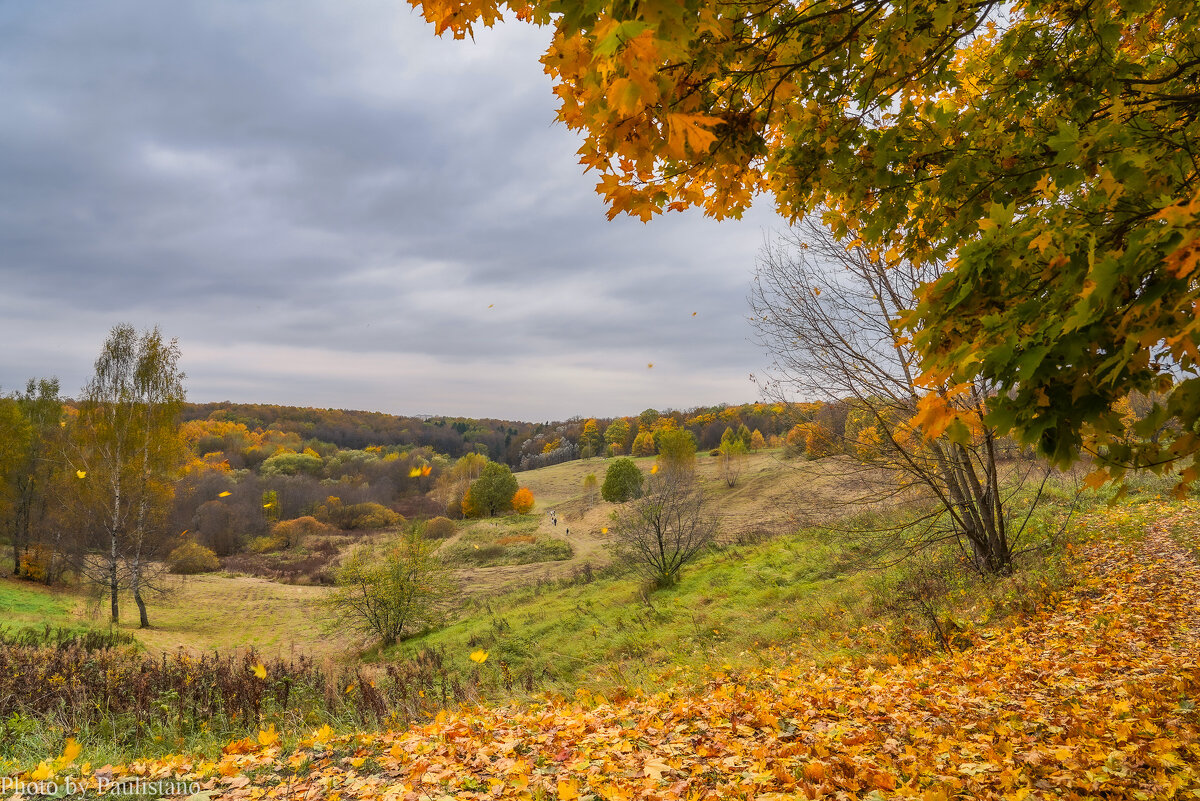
x,y
772,496
606,629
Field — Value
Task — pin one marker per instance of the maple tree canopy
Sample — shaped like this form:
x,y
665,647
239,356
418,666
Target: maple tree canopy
x,y
1046,149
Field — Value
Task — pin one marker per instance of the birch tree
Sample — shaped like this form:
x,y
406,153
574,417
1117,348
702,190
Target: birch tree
x,y
127,451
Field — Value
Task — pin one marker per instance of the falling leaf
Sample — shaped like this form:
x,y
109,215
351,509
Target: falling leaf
x,y
260,670
653,469
479,657
224,494
414,473
604,530
81,474
490,305
693,314
426,470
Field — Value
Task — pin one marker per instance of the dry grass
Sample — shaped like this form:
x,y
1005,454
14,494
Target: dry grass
x,y
208,612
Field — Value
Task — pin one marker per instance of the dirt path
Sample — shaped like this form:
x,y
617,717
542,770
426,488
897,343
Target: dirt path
x,y
587,540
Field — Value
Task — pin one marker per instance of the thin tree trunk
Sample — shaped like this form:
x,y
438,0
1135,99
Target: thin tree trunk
x,y
136,582
112,581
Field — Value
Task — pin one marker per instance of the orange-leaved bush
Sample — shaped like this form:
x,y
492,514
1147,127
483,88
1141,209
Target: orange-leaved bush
x,y
522,501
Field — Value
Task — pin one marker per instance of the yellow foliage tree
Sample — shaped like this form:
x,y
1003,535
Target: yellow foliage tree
x,y
469,509
643,444
522,501
1048,149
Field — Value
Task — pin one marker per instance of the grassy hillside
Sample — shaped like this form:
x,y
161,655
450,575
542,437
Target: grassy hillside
x,y
603,630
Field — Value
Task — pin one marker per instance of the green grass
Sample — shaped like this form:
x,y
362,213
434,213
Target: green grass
x,y
24,603
732,605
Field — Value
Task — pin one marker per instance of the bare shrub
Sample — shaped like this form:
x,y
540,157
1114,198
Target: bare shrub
x,y
665,529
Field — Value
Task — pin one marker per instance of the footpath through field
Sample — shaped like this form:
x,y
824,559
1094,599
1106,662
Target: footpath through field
x,y
1095,697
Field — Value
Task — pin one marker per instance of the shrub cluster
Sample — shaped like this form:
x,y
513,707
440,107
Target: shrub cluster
x,y
357,516
439,528
94,682
191,558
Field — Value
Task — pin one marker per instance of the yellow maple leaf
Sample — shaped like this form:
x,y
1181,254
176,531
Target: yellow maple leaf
x,y
568,790
224,494
934,415
269,736
692,131
414,473
1096,478
81,474
41,772
479,657
260,670
1042,242
323,734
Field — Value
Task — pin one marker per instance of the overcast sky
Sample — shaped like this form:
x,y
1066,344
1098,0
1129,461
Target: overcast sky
x,y
329,206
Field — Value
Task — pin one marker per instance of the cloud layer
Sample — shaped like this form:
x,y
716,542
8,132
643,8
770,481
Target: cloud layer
x,y
329,206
